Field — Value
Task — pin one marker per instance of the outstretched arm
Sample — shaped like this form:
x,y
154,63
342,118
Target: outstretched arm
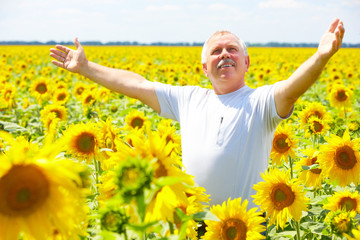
x,y
300,81
121,81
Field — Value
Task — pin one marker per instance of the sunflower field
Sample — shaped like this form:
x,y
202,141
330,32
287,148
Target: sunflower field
x,y
78,161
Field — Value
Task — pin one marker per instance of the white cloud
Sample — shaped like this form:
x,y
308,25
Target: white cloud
x,y
218,6
281,4
163,8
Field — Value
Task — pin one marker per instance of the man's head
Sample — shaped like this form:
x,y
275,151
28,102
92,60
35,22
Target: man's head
x,y
222,32
225,61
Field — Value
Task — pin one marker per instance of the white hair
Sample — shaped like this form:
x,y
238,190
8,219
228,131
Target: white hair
x,y
222,32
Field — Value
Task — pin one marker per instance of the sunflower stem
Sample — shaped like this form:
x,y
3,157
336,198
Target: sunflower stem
x,y
96,171
125,235
345,116
291,167
297,226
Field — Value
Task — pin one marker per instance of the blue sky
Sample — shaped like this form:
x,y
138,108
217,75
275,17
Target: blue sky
x,y
146,21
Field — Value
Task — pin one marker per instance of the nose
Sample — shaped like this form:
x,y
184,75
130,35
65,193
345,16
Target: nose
x,y
225,54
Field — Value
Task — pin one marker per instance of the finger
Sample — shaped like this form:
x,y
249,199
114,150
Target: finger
x,y
58,57
58,64
341,29
333,25
57,52
63,48
77,43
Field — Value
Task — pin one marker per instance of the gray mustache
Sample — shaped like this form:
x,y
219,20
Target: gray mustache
x,y
224,61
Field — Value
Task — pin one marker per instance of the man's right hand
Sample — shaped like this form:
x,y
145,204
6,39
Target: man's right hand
x,y
69,59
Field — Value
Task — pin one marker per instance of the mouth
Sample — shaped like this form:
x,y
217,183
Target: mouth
x,y
226,63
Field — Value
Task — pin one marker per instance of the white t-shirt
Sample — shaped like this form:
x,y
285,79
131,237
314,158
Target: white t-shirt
x,y
226,139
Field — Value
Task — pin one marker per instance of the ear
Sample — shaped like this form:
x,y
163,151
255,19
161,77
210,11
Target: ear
x,y
247,62
205,69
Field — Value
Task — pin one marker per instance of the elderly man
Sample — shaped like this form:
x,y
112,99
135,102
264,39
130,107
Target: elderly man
x,y
226,132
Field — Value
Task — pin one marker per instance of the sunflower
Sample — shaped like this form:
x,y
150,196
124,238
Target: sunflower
x,y
61,96
79,89
108,136
7,94
168,175
40,89
133,176
313,109
279,197
316,126
165,128
135,120
340,159
311,177
196,199
114,219
346,200
39,193
283,144
235,222
341,96
103,94
82,140
355,234
59,111
107,187
88,98
341,222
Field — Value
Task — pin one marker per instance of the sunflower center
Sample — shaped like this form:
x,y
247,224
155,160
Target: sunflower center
x,y
79,90
61,97
317,126
345,157
315,113
342,224
233,229
85,143
160,171
41,88
88,99
282,196
316,170
130,176
109,142
23,190
57,113
137,122
280,143
341,96
348,203
7,95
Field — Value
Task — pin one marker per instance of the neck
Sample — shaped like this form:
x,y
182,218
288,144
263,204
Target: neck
x,y
225,88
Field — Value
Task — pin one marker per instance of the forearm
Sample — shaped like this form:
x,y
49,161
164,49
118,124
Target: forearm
x,y
302,79
298,83
121,81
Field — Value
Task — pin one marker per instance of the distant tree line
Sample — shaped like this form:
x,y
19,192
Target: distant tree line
x,y
135,43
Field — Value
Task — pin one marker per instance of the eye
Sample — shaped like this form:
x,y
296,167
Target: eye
x,y
216,51
232,49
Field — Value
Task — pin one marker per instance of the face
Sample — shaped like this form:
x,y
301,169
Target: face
x,y
226,63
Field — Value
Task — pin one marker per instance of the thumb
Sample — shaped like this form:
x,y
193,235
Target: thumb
x,y
77,43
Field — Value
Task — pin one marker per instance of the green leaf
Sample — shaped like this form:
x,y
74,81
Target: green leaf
x,y
314,166
182,231
141,228
314,227
206,215
141,205
12,127
166,181
108,236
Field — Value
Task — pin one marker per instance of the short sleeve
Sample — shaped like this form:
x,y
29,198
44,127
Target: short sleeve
x,y
168,99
